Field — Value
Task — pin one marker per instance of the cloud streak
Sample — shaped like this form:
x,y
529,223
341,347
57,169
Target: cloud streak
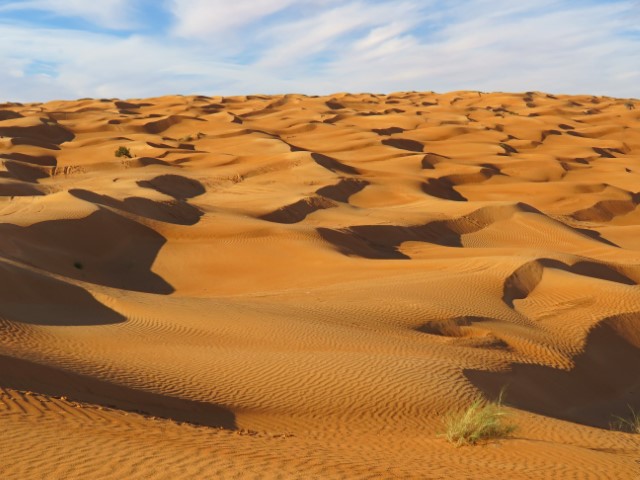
x,y
207,19
113,14
317,46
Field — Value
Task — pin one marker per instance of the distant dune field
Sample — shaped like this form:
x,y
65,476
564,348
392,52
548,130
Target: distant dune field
x,y
302,287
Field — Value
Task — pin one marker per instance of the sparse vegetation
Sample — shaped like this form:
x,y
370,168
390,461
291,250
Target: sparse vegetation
x,y
123,152
191,138
445,328
480,421
629,424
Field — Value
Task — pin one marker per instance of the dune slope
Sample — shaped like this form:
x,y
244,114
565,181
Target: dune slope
x,y
301,287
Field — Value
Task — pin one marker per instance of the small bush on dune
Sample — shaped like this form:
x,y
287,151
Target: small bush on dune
x,y
480,421
630,424
123,152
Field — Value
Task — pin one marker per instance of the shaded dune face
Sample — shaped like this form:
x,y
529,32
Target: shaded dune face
x,y
176,186
331,273
385,240
524,280
47,136
343,190
332,164
103,248
178,212
30,297
298,211
602,383
442,188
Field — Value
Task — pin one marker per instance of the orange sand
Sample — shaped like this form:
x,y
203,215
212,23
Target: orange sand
x,y
300,287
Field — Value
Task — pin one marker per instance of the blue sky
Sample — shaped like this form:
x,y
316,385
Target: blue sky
x,y
66,49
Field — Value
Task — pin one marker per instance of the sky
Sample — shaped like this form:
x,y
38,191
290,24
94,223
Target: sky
x,y
69,49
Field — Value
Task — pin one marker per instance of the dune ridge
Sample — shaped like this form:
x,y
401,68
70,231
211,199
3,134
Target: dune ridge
x,y
300,287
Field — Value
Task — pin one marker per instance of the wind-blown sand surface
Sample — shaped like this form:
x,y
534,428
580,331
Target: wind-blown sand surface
x,y
301,287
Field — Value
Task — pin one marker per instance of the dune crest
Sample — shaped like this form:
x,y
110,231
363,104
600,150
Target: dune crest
x,y
301,287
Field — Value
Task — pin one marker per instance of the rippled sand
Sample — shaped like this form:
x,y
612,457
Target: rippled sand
x,y
300,287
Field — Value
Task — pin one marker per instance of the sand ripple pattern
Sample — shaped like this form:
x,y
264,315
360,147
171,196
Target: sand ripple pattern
x,y
300,287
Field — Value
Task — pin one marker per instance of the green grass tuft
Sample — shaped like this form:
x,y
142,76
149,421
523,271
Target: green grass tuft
x,y
123,152
480,421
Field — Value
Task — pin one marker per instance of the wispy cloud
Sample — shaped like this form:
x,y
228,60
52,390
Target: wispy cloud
x,y
331,30
317,46
115,14
82,64
209,19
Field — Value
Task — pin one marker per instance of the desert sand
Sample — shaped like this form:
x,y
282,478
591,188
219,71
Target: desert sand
x,y
301,287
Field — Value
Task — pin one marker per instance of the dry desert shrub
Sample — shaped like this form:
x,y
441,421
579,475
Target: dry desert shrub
x,y
629,424
480,421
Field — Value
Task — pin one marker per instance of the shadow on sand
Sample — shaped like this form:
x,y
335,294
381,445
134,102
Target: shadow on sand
x,y
603,383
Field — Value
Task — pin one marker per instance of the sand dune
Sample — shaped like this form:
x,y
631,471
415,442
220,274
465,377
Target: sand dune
x,y
301,287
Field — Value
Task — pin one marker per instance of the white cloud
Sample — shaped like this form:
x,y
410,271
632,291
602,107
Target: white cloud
x,y
333,29
106,13
211,18
101,65
322,46
526,46
382,34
